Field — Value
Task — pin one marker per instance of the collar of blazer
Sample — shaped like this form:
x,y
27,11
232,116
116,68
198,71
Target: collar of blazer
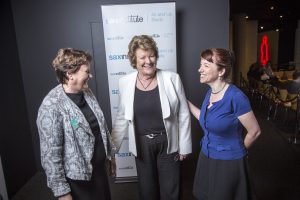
x,y
129,95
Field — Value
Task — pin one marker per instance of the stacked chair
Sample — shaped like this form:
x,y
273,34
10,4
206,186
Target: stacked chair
x,y
275,97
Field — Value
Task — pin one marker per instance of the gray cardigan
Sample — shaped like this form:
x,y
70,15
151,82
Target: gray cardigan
x,y
66,139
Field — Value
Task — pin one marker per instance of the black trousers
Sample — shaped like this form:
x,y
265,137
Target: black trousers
x,y
158,172
98,187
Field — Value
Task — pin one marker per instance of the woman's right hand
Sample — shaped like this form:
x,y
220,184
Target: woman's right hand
x,y
66,197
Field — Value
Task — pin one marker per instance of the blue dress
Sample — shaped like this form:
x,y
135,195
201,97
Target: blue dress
x,y
222,169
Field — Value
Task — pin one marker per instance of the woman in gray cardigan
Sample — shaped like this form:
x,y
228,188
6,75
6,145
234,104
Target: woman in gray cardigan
x,y
74,138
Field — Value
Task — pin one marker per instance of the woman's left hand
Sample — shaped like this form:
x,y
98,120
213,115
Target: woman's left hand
x,y
182,156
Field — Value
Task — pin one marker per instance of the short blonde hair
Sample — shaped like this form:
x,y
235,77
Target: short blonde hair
x,y
144,42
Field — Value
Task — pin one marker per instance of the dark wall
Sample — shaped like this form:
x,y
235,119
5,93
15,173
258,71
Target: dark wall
x,y
286,44
16,147
42,27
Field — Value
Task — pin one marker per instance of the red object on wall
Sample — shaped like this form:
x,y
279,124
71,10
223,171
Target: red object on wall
x,y
264,50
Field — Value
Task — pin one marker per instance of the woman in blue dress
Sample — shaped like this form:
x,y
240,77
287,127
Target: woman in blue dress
x,y
222,169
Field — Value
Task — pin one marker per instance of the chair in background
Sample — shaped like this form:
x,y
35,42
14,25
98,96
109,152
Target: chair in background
x,y
278,74
281,100
289,74
263,91
294,99
272,97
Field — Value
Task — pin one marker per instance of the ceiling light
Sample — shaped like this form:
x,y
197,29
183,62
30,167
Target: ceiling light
x,y
271,7
277,29
246,17
281,16
261,27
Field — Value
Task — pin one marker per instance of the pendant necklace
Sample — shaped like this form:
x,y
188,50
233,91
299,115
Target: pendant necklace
x,y
219,90
145,87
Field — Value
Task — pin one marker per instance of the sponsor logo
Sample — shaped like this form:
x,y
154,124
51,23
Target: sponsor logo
x,y
124,154
115,91
161,14
157,19
127,167
168,35
163,53
117,57
128,19
115,20
164,14
118,73
115,38
155,35
135,19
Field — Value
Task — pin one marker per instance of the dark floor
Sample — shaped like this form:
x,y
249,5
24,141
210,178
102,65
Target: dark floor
x,y
274,164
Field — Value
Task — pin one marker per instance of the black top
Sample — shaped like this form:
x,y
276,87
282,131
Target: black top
x,y
79,100
147,112
99,151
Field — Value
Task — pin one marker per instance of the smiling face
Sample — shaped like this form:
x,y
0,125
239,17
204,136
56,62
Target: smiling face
x,y
209,72
78,81
145,62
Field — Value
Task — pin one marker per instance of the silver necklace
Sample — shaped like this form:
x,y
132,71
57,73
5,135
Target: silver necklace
x,y
145,87
219,90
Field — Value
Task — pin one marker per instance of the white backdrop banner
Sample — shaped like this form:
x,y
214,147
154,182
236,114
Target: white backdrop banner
x,y
120,24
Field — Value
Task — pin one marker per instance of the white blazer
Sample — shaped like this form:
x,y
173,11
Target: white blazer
x,y
175,112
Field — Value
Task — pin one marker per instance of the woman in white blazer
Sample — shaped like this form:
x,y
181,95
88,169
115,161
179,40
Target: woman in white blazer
x,y
153,112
